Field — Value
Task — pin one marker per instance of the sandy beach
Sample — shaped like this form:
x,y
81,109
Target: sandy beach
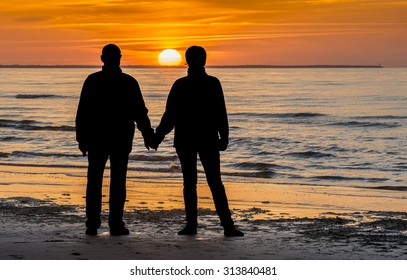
x,y
42,217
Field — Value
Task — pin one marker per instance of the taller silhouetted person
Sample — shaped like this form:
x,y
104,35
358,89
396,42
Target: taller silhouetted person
x,y
110,103
196,108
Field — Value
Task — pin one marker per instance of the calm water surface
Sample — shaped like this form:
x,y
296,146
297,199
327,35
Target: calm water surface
x,y
341,127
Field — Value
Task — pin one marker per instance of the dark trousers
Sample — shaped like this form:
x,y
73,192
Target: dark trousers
x,y
118,171
210,160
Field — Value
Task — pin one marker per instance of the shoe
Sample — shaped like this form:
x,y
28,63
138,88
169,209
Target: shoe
x,y
232,231
119,231
91,231
188,230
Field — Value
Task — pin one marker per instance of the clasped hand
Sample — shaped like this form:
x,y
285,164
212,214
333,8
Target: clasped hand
x,y
153,140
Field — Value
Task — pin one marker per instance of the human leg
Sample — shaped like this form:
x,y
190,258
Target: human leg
x,y
210,159
97,162
188,158
117,197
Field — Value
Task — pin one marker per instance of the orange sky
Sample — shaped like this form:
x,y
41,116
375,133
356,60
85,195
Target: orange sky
x,y
233,32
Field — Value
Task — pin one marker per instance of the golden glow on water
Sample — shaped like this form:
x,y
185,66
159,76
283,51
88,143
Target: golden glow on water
x,y
300,128
256,200
325,126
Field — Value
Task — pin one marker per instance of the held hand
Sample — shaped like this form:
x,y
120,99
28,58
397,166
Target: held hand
x,y
156,141
147,143
148,137
154,145
223,144
83,148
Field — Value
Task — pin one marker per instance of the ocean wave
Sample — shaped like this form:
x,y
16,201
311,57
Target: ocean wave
x,y
33,125
55,128
259,166
264,174
7,123
279,115
37,96
169,169
401,165
343,178
336,148
154,170
309,154
38,154
42,165
301,115
388,117
390,188
173,169
359,124
133,157
12,139
152,158
15,108
256,140
250,114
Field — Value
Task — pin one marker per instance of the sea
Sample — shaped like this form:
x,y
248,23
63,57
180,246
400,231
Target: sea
x,y
344,127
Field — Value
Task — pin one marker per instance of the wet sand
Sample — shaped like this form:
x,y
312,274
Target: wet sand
x,y
42,217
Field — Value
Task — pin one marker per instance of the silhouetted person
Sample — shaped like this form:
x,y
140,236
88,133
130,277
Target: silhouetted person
x,y
110,103
196,108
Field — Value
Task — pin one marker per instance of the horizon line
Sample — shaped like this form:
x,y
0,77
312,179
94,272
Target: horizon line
x,y
208,66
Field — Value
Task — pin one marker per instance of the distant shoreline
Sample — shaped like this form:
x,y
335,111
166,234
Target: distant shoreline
x,y
211,66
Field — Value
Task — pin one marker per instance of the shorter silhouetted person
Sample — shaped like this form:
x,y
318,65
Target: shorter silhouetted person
x,y
110,103
196,108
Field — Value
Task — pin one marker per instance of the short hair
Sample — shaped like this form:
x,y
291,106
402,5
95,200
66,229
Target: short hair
x,y
195,56
111,50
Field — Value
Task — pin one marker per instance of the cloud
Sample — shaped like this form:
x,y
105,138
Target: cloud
x,y
222,24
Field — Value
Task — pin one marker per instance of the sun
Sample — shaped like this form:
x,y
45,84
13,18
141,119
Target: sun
x,y
169,57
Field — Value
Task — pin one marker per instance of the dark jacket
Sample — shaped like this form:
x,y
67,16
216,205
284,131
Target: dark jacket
x,y
110,103
196,108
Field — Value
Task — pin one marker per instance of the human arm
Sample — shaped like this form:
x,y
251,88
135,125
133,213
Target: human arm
x,y
82,118
141,117
222,118
168,119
